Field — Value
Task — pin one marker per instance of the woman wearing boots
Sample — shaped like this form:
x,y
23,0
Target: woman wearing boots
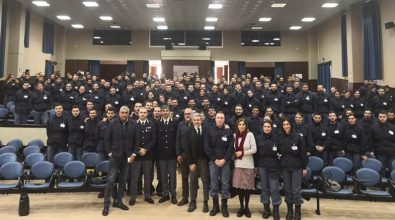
x,y
269,170
244,172
293,163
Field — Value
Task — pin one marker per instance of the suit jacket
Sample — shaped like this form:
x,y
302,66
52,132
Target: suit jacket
x,y
147,139
195,145
165,147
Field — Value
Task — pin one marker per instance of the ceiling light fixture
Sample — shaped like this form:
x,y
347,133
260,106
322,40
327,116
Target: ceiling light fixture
x,y
211,19
158,19
276,39
105,18
115,26
209,27
206,38
162,27
215,6
295,28
278,5
265,19
97,37
152,5
255,41
330,5
41,3
308,19
90,4
63,17
77,26
256,28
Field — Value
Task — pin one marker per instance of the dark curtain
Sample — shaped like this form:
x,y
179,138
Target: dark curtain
x,y
212,68
241,67
279,68
3,36
324,75
49,68
130,66
344,45
48,38
145,66
27,29
373,68
94,67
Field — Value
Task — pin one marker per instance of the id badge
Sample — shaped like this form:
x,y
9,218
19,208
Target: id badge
x,y
224,139
294,147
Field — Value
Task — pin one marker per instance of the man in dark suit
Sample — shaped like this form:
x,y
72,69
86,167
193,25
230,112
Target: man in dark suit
x,y
144,152
196,159
120,139
166,154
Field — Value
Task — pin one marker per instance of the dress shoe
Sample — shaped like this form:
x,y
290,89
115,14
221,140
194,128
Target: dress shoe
x,y
173,200
100,195
164,199
132,202
122,206
182,202
149,200
205,207
105,211
240,212
192,206
247,212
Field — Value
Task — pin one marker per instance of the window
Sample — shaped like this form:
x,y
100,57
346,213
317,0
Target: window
x,y
261,38
112,37
209,38
162,38
185,38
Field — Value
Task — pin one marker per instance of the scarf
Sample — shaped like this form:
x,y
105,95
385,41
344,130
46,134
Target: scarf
x,y
240,147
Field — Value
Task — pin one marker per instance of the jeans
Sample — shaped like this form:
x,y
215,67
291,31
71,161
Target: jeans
x,y
220,175
203,172
76,152
21,118
270,182
168,176
293,185
356,161
116,165
40,117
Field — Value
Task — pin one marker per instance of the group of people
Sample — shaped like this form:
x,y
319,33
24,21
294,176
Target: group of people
x,y
224,133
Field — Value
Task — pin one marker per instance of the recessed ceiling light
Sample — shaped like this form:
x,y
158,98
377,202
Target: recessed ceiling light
x,y
209,27
63,17
158,19
265,19
267,44
41,3
295,28
115,26
242,43
272,43
276,39
215,6
206,38
105,18
255,41
77,26
153,5
90,4
181,44
97,37
166,38
308,19
330,5
279,5
162,27
211,19
256,28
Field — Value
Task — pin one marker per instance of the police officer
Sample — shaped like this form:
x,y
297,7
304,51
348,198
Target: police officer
x,y
57,133
23,104
76,127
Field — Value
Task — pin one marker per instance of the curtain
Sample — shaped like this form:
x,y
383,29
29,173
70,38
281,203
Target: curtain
x,y
279,68
212,69
48,38
344,45
241,67
145,66
130,66
3,36
94,67
49,68
324,75
373,68
27,29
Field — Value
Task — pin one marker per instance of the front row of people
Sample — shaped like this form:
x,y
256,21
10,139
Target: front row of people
x,y
210,153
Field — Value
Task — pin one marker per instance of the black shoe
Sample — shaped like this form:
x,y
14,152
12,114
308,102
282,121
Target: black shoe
x,y
132,202
164,199
100,195
149,200
276,212
173,200
192,206
247,212
224,208
240,212
290,212
182,202
160,194
105,211
298,213
205,207
266,211
122,206
215,210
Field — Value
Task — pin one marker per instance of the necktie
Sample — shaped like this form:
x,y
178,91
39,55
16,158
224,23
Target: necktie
x,y
199,131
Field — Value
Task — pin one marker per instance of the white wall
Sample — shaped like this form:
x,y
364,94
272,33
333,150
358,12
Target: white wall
x,y
387,8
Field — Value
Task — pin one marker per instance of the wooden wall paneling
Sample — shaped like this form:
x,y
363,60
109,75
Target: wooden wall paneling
x,y
109,71
72,66
296,67
167,66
